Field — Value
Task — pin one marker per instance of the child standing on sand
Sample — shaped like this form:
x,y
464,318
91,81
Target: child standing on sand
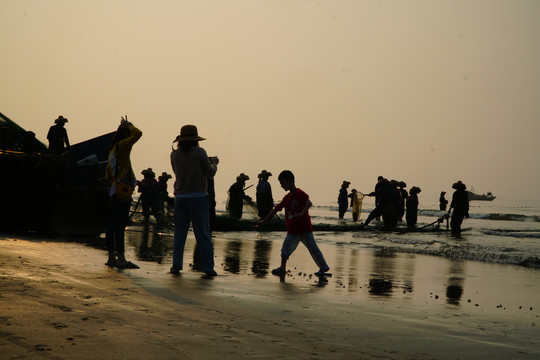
x,y
296,204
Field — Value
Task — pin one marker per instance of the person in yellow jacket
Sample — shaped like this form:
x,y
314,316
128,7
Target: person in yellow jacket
x,y
119,173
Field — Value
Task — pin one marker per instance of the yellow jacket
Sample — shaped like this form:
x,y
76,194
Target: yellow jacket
x,y
119,158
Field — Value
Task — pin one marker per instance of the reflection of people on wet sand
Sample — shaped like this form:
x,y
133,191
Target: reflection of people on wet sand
x,y
192,167
232,256
343,201
412,206
119,170
260,259
442,201
57,136
265,201
237,196
460,204
296,204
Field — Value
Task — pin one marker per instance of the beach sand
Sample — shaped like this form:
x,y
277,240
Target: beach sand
x,y
59,301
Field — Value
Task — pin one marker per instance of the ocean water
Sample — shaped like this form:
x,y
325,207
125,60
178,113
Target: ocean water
x,y
499,231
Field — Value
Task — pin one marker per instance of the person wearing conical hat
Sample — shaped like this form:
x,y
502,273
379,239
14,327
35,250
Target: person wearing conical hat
x,y
192,167
237,196
442,201
403,195
164,197
150,197
265,201
57,136
460,204
412,206
343,199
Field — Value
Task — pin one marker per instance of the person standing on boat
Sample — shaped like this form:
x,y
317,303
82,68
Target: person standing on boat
x,y
265,201
412,206
460,204
57,136
192,167
442,201
237,196
343,199
119,170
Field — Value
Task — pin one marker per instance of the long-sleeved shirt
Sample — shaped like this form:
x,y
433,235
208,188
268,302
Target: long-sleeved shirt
x,y
119,163
191,170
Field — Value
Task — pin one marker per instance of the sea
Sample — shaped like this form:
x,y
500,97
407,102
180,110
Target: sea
x,y
501,231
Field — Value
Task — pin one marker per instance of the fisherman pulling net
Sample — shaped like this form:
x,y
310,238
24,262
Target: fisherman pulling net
x,y
356,203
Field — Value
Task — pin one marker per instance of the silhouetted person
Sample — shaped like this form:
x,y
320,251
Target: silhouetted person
x,y
343,200
237,196
211,201
403,195
412,206
119,170
164,197
265,201
192,167
57,136
442,201
460,204
387,198
374,193
150,197
299,229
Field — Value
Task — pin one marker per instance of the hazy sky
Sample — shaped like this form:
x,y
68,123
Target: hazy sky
x,y
428,92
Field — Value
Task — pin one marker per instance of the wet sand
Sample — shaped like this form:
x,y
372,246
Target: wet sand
x,y
59,301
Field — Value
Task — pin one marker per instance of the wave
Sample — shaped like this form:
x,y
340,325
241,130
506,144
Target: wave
x,y
449,247
512,233
438,213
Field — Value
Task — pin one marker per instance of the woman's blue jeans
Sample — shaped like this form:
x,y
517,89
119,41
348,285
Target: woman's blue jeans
x,y
193,210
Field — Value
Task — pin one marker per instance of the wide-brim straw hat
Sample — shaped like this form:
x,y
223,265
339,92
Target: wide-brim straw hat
x,y
264,174
189,133
242,177
459,185
61,120
164,176
415,190
149,172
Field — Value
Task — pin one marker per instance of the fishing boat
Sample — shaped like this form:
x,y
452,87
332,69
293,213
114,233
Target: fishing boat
x,y
484,197
47,193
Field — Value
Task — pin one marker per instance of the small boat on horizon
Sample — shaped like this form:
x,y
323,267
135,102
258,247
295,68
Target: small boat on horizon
x,y
483,197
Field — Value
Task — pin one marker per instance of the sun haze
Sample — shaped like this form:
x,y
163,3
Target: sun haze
x,y
428,92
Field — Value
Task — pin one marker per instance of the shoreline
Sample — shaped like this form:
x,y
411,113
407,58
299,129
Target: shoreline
x,y
59,301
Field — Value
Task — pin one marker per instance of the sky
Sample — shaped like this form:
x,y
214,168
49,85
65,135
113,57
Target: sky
x,y
424,91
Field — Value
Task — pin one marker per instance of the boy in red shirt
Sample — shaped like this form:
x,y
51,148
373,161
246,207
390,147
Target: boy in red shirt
x,y
296,204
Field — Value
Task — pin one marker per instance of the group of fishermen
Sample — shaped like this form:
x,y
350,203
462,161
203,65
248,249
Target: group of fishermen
x,y
393,201
237,195
156,201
